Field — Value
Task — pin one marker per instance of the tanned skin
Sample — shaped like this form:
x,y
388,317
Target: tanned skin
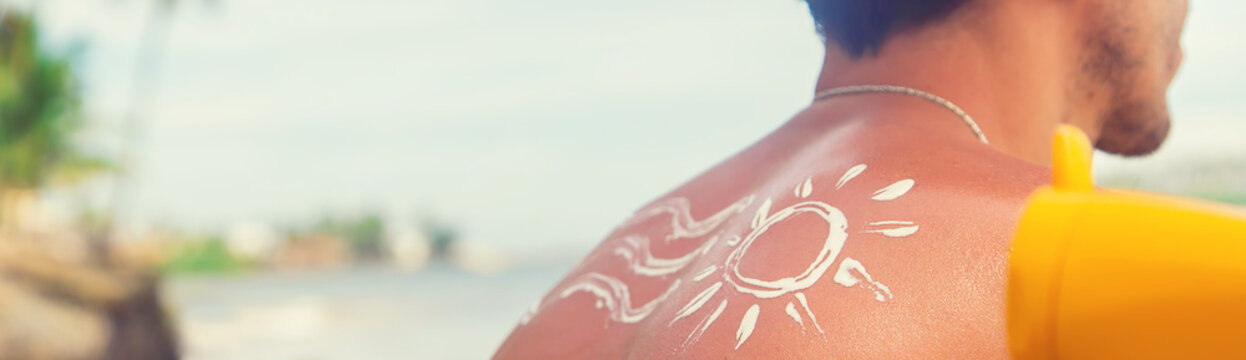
x,y
924,226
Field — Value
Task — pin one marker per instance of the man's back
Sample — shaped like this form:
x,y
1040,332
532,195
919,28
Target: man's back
x,y
835,236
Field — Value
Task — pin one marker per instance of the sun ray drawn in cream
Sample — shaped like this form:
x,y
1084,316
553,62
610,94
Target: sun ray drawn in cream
x,y
704,273
893,228
791,312
851,173
747,323
804,303
704,324
894,191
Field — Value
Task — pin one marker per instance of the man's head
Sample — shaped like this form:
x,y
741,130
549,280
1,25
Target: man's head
x,y
1131,52
860,27
1126,53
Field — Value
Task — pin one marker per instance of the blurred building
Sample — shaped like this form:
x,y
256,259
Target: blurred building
x,y
408,245
252,240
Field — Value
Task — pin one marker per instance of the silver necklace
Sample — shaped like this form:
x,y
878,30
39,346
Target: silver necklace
x,y
865,89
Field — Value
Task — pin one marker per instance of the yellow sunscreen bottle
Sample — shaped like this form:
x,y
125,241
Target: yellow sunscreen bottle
x,y
1114,274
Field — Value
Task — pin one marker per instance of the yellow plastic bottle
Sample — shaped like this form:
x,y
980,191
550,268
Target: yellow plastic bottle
x,y
1113,274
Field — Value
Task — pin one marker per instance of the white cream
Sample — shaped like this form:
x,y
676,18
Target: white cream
x,y
642,262
696,302
528,315
831,246
804,303
704,273
894,191
763,212
746,325
791,312
893,228
844,276
614,296
709,244
705,324
896,232
851,173
683,226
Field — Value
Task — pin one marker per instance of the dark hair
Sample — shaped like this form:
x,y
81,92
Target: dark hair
x,y
861,26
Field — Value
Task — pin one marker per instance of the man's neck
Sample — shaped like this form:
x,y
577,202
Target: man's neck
x,y
1010,76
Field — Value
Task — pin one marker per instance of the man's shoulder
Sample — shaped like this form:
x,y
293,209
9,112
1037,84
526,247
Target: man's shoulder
x,y
870,247
938,170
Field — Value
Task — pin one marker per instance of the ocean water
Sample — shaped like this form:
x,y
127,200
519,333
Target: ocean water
x,y
362,313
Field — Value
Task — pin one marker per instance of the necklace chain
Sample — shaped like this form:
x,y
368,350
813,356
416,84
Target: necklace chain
x,y
866,89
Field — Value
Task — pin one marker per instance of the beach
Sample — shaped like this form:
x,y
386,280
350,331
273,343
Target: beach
x,y
358,313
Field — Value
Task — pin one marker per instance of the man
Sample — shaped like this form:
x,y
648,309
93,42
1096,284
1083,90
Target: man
x,y
876,223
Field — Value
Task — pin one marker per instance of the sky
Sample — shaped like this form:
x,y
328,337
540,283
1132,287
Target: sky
x,y
535,123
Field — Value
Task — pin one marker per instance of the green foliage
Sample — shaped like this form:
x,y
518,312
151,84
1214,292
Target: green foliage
x,y
1226,197
441,235
364,233
208,255
40,110
365,236
1213,178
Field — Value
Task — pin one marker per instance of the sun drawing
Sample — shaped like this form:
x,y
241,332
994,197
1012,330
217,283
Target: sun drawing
x,y
725,276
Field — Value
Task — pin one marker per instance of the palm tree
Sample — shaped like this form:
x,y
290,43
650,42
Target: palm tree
x,y
40,111
143,88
